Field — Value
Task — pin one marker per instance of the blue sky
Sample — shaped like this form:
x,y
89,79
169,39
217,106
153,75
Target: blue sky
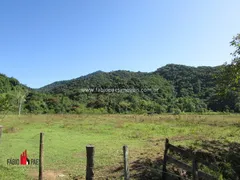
x,y
49,40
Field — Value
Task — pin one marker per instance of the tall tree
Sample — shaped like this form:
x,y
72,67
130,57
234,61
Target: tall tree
x,y
20,95
229,76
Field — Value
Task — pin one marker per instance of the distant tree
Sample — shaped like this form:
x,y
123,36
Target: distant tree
x,y
20,95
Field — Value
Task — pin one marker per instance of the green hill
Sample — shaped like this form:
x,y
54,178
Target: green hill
x,y
172,88
190,81
8,84
117,91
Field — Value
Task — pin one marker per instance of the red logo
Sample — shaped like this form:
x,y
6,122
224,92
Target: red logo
x,y
23,158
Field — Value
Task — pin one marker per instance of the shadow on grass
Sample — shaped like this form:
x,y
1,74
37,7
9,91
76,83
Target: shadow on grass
x,y
225,155
148,169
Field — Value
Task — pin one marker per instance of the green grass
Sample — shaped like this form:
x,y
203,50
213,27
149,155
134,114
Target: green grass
x,y
66,137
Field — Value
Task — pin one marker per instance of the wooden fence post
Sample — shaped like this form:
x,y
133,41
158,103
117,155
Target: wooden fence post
x,y
40,177
125,158
1,129
194,166
90,162
164,169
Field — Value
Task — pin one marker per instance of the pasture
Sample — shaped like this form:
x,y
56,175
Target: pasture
x,y
66,137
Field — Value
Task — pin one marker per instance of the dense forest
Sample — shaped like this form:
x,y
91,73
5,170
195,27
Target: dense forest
x,y
170,89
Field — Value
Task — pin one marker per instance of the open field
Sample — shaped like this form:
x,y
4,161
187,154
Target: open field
x,y
66,137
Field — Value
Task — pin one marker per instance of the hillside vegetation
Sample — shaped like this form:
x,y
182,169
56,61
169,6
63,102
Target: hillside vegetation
x,y
170,89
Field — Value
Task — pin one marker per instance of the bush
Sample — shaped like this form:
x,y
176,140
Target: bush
x,y
175,111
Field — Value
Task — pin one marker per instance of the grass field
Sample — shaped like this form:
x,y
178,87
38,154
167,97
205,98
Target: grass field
x,y
66,137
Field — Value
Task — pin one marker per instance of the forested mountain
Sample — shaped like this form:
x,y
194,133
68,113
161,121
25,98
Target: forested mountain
x,y
100,79
117,91
200,82
172,88
8,84
12,94
191,81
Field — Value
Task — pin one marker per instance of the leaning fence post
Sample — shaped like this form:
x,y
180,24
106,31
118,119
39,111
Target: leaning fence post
x,y
40,177
164,169
194,166
1,127
125,158
90,162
